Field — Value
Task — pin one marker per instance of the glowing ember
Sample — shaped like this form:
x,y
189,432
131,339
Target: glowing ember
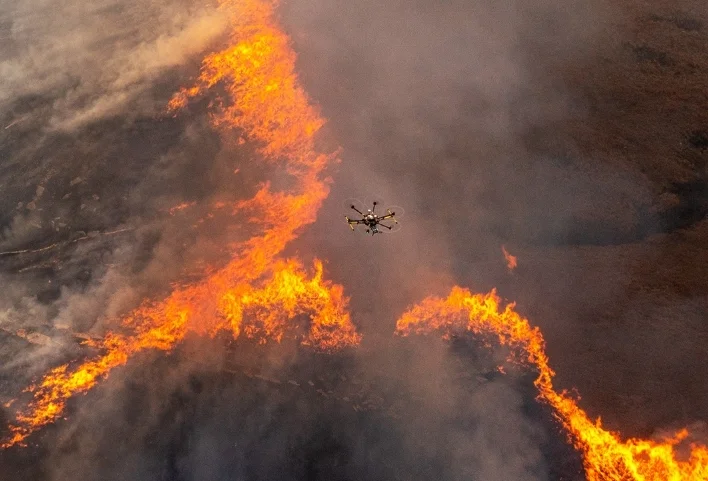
x,y
606,457
510,260
180,207
268,108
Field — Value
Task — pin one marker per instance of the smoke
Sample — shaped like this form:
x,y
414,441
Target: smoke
x,y
93,165
491,125
455,112
451,110
99,78
94,59
205,412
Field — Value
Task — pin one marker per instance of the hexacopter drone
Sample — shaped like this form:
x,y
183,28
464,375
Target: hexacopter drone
x,y
371,219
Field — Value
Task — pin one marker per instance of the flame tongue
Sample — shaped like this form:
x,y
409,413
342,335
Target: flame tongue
x,y
288,295
511,261
606,457
269,106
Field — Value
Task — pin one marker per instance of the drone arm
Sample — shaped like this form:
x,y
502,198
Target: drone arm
x,y
384,225
360,212
352,222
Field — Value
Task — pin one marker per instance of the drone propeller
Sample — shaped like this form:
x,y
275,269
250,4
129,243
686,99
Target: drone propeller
x,y
351,222
374,202
355,205
391,229
393,211
397,210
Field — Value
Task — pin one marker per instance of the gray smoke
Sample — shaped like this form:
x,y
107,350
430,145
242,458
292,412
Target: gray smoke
x,y
96,59
92,165
537,126
461,112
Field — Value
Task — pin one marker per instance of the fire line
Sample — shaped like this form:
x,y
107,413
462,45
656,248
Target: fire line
x,y
605,456
255,294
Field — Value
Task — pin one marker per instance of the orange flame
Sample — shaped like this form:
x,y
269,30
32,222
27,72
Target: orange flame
x,y
268,107
285,297
606,457
260,312
510,260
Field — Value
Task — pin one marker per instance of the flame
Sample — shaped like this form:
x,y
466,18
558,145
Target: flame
x,y
606,456
261,311
262,297
260,76
268,108
288,295
510,260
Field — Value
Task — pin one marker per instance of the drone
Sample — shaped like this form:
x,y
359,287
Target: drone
x,y
371,220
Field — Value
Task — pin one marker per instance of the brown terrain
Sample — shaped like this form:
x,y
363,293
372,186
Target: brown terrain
x,y
638,352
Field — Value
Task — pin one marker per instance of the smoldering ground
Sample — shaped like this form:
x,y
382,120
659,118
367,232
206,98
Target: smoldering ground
x,y
94,166
449,110
206,411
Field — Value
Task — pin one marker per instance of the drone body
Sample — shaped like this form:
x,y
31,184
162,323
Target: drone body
x,y
371,220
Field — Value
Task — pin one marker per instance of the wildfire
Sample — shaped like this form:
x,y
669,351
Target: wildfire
x,y
606,457
260,296
268,108
511,261
262,311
